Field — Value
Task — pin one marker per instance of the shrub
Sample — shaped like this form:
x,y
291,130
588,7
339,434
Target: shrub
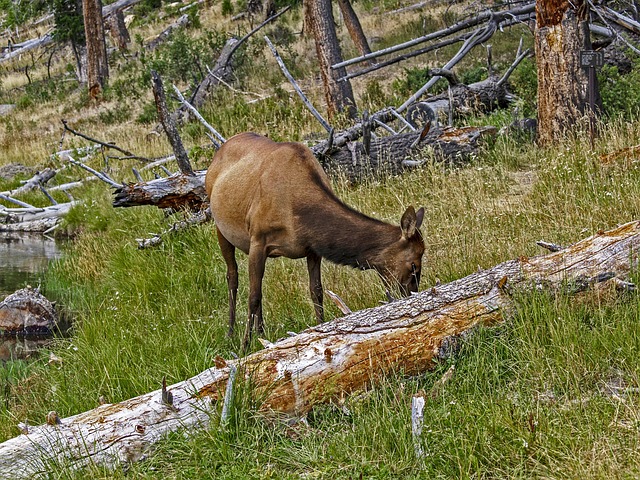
x,y
620,93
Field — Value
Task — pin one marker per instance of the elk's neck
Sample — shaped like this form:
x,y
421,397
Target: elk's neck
x,y
345,236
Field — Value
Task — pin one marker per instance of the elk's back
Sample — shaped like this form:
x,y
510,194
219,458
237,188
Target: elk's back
x,y
254,185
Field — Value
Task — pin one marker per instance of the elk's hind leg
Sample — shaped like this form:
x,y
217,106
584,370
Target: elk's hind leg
x,y
257,260
229,255
315,285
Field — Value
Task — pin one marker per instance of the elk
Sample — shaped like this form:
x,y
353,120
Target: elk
x,y
272,199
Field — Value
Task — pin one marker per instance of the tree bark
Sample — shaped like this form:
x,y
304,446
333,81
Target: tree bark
x,y
339,95
118,30
27,312
182,159
354,27
325,362
97,62
562,30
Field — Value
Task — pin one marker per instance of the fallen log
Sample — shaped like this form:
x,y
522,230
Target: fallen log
x,y
27,312
33,219
176,192
321,363
393,154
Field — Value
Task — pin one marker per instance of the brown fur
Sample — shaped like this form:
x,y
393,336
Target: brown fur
x,y
273,199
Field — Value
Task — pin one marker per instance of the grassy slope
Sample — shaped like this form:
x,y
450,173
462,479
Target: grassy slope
x,y
528,399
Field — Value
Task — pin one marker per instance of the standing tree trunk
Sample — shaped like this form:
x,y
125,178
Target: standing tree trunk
x,y
118,29
562,30
97,65
355,29
319,20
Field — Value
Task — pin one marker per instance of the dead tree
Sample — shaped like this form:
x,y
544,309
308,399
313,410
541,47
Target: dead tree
x,y
323,363
562,82
354,27
220,74
320,23
97,61
118,30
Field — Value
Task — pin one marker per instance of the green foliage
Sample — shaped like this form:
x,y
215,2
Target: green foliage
x,y
182,58
473,74
227,7
16,13
68,19
147,8
414,79
524,84
620,93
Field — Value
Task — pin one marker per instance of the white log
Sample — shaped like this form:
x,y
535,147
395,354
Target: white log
x,y
324,362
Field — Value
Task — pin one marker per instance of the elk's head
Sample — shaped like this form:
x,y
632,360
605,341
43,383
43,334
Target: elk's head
x,y
403,259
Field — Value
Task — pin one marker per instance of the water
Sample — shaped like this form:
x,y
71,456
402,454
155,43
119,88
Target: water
x,y
23,260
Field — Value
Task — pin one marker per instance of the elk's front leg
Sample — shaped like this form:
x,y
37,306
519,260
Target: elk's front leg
x,y
229,256
257,260
315,285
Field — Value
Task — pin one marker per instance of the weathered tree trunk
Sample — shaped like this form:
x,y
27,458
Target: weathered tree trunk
x,y
26,311
393,154
32,219
182,159
118,30
325,362
175,192
319,20
181,22
97,62
354,27
562,30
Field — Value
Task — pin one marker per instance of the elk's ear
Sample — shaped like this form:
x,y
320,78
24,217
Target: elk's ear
x,y
419,217
409,222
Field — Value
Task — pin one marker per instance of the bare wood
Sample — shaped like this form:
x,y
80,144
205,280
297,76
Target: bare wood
x,y
195,112
102,176
324,362
296,87
498,17
40,178
169,126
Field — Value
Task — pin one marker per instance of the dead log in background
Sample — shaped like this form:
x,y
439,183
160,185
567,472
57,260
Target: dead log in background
x,y
175,192
27,312
393,154
324,362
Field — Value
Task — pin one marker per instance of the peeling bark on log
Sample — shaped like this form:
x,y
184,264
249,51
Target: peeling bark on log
x,y
27,312
324,362
391,155
175,192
